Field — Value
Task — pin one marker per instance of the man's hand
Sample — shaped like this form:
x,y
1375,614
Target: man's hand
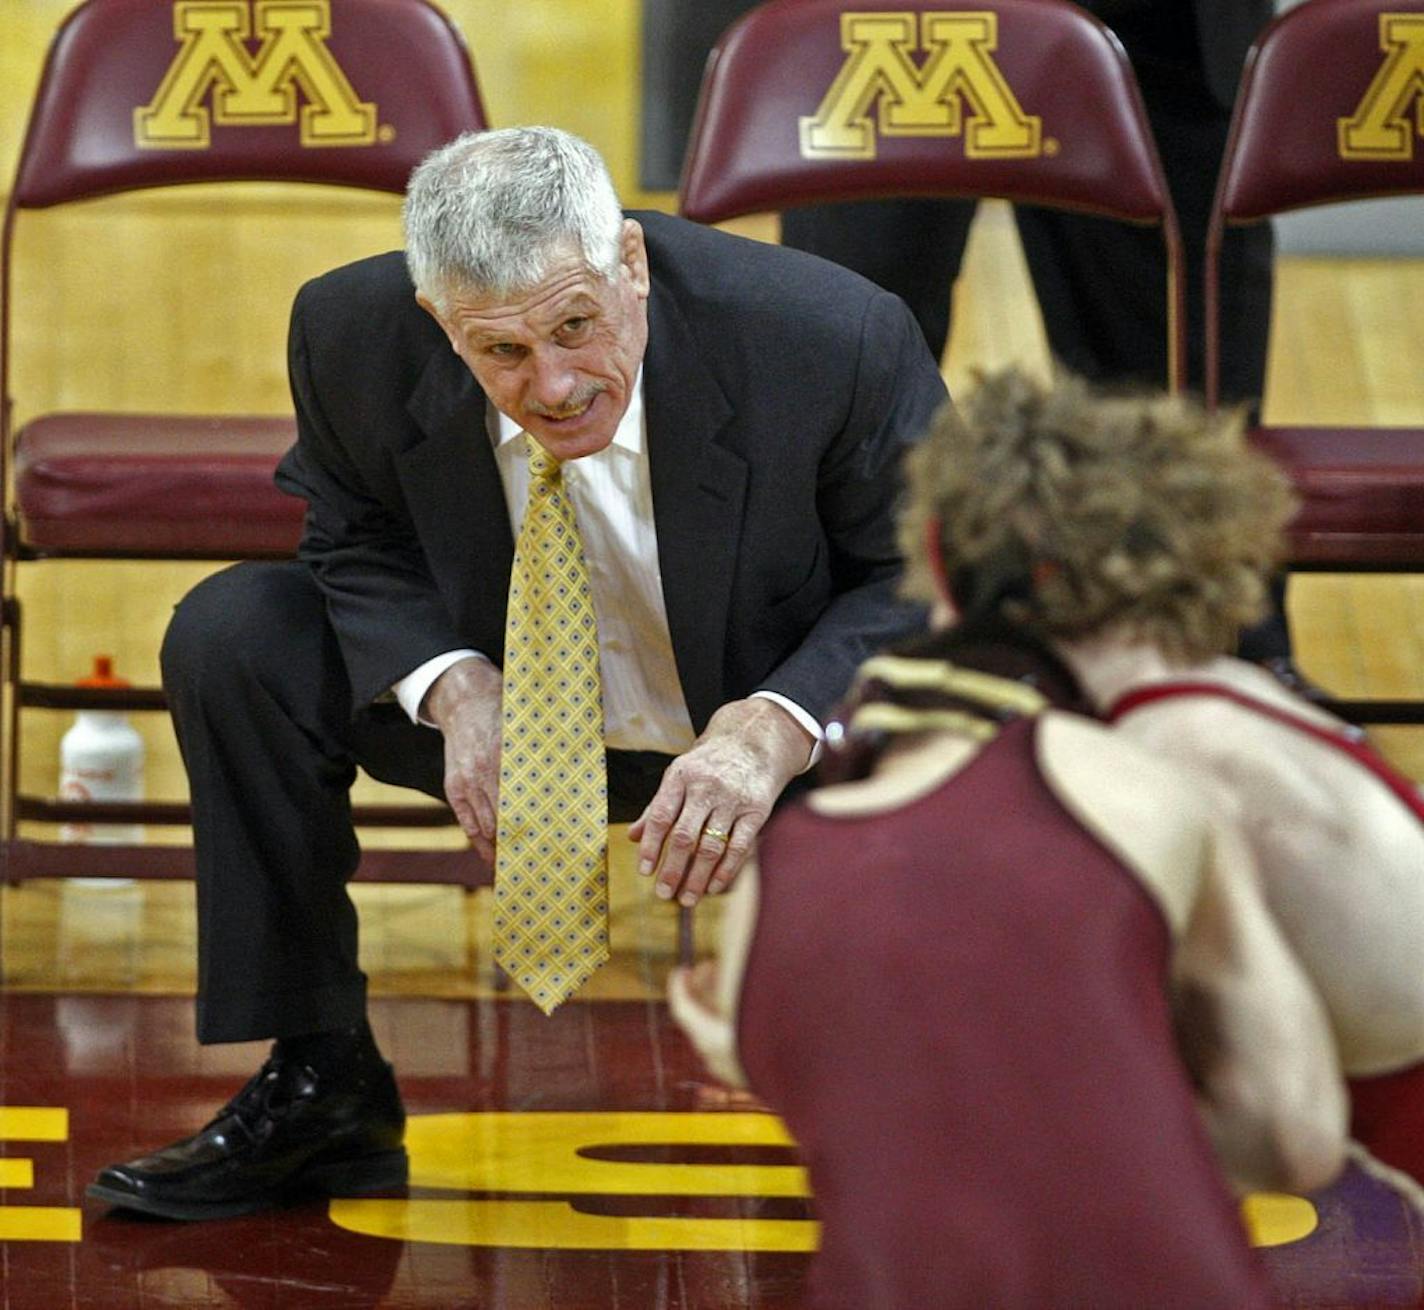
x,y
466,704
714,799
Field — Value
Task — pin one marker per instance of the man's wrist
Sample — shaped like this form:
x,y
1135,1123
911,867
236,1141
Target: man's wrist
x,y
770,729
469,678
810,726
410,690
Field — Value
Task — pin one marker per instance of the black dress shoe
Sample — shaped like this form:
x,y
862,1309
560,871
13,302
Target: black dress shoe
x,y
291,1133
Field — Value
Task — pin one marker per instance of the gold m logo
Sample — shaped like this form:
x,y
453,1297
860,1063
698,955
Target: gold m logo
x,y
249,89
930,100
1380,128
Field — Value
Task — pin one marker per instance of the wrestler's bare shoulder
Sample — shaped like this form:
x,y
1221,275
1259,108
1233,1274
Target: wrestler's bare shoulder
x,y
1153,815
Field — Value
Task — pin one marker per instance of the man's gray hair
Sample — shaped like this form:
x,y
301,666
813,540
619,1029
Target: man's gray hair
x,y
489,211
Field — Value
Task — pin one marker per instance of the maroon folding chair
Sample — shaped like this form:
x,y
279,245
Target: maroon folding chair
x,y
141,94
1329,109
805,101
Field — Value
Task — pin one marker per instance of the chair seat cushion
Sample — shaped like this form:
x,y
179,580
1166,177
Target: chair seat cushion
x,y
120,484
1362,494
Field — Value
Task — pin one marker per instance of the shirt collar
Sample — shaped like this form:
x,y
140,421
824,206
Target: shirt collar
x,y
629,435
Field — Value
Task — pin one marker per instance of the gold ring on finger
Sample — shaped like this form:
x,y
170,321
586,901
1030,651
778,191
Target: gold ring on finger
x,y
717,834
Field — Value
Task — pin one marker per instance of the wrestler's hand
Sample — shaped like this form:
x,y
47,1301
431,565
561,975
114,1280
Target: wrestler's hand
x,y
699,984
725,784
466,704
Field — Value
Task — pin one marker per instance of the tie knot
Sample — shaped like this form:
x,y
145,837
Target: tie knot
x,y
542,465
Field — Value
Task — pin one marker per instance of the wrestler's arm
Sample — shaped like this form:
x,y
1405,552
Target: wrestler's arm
x,y
1254,1035
1251,1029
704,998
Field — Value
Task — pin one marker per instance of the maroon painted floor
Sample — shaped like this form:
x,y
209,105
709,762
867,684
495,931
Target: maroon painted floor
x,y
131,1077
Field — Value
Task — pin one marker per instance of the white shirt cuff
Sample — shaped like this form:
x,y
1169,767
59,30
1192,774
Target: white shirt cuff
x,y
411,689
811,724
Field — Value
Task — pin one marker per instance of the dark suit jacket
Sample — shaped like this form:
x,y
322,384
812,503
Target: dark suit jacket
x,y
779,392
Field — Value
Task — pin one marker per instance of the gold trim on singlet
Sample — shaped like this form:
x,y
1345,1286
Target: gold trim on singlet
x,y
897,718
968,684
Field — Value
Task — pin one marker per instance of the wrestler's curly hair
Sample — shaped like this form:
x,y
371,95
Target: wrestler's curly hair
x,y
1074,510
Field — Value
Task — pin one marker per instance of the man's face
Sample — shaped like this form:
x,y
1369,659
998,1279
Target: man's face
x,y
561,358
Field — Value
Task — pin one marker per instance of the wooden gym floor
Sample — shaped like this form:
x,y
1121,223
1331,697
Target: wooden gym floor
x,y
585,1160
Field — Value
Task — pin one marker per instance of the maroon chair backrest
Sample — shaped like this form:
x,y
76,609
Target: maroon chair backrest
x,y
1331,108
145,93
805,101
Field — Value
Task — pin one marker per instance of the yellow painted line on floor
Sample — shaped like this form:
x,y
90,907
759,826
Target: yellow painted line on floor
x,y
534,1151
17,1173
547,1151
30,1123
39,1223
1275,1219
556,1225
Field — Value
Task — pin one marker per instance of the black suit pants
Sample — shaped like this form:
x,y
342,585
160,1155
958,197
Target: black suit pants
x,y
262,708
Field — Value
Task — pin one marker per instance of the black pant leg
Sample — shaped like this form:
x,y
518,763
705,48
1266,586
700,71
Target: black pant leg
x,y
911,247
1102,284
1270,638
261,706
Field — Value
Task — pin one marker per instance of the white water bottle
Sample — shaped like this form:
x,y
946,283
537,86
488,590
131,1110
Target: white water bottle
x,y
101,759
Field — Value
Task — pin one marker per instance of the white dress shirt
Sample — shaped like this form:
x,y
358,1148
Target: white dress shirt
x,y
612,497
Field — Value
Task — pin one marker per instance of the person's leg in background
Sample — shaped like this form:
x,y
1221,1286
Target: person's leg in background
x,y
677,36
911,247
1102,284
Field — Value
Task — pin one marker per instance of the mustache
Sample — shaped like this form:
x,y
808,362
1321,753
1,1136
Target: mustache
x,y
575,404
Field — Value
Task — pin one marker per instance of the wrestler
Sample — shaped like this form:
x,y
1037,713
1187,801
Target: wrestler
x,y
1014,992
1144,530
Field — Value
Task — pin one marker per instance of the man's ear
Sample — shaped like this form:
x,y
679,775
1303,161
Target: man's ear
x,y
428,306
633,255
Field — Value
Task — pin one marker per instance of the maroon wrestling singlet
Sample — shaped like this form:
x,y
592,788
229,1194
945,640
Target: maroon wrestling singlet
x,y
960,1008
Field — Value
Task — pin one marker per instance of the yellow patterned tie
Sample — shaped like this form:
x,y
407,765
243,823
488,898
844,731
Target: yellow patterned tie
x,y
551,856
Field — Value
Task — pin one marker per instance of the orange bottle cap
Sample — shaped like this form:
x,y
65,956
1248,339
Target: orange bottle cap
x,y
103,674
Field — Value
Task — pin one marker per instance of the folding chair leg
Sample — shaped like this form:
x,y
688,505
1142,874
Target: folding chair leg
x,y
10,766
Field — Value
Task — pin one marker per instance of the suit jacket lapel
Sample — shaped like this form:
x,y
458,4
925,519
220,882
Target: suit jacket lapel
x,y
456,499
698,491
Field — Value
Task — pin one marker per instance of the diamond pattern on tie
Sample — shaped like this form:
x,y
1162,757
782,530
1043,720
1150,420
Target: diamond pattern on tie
x,y
551,851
